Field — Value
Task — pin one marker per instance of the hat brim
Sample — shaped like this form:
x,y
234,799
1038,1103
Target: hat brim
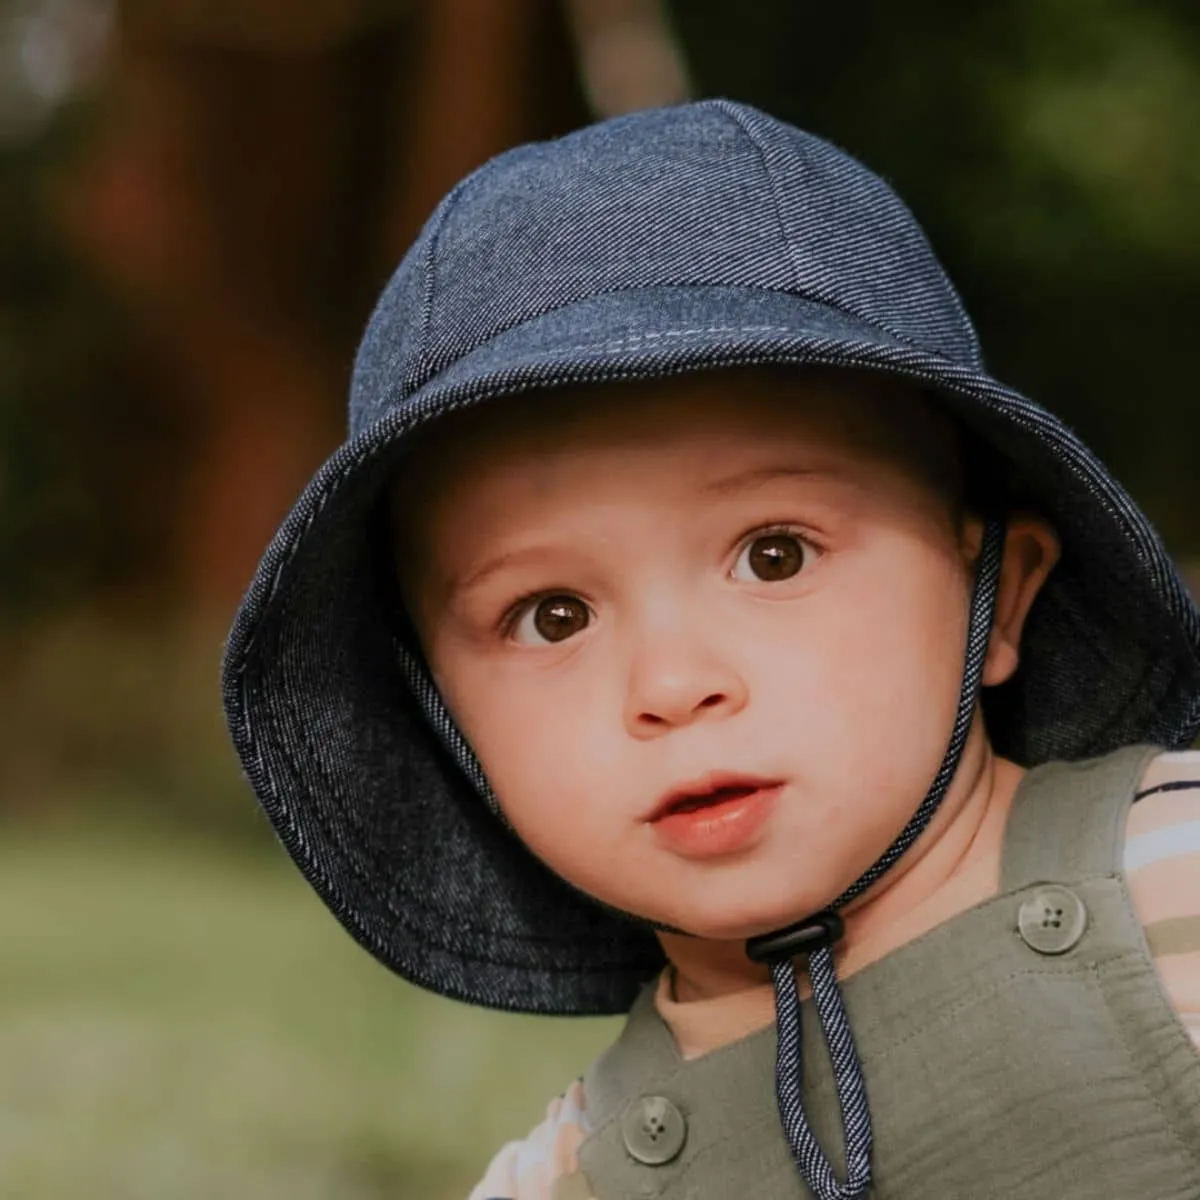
x,y
387,829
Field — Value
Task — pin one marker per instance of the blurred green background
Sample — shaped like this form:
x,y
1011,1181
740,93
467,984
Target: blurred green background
x,y
199,201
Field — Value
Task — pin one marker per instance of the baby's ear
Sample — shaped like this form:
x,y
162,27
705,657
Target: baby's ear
x,y
1031,548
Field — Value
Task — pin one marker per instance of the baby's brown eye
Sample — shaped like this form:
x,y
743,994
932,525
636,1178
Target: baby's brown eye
x,y
552,619
771,558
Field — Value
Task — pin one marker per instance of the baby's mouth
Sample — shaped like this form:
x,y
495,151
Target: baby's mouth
x,y
710,791
716,816
717,796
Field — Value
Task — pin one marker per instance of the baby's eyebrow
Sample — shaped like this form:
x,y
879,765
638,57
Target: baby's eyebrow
x,y
492,565
755,476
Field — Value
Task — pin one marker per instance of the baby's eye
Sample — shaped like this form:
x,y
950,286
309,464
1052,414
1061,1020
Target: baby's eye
x,y
771,557
551,619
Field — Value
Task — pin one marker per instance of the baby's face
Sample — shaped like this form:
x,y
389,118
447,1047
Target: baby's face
x,y
705,636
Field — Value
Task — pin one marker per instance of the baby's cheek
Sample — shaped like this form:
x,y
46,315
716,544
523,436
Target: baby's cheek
x,y
877,700
543,788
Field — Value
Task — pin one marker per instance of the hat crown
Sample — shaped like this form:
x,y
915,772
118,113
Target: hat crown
x,y
707,194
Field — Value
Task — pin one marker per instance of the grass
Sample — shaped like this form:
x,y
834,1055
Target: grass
x,y
177,1020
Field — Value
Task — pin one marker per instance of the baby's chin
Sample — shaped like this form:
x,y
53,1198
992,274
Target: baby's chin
x,y
735,921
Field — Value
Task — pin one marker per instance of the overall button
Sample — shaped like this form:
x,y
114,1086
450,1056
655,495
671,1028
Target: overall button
x,y
1052,919
653,1130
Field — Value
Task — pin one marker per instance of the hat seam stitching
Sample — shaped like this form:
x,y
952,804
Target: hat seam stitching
x,y
425,367
731,113
422,360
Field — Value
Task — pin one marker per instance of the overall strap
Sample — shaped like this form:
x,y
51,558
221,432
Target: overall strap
x,y
1068,819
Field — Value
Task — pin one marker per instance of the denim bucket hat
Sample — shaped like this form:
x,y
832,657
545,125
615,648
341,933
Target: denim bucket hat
x,y
704,236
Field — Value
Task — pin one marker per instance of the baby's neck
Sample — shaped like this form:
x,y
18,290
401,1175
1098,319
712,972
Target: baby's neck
x,y
954,866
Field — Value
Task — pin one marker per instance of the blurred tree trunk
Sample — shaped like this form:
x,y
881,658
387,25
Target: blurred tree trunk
x,y
469,100
258,173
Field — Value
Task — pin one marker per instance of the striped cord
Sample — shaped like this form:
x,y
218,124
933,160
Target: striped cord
x,y
811,1160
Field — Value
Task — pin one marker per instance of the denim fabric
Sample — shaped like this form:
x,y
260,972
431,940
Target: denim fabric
x,y
676,240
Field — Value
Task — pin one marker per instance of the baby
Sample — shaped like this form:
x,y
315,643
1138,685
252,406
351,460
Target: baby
x,y
692,628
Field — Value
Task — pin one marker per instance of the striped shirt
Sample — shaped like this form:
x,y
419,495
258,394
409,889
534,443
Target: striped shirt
x,y
1161,863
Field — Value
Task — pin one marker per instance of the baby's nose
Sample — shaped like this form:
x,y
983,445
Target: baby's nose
x,y
678,684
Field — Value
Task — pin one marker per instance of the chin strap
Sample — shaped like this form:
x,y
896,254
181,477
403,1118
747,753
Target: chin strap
x,y
815,937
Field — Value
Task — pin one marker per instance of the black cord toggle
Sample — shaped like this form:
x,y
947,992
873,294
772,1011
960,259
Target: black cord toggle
x,y
813,933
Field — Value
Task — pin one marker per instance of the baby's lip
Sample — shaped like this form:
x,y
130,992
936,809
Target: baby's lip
x,y
713,786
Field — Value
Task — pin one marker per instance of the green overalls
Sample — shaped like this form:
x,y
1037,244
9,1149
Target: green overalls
x,y
1025,1048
